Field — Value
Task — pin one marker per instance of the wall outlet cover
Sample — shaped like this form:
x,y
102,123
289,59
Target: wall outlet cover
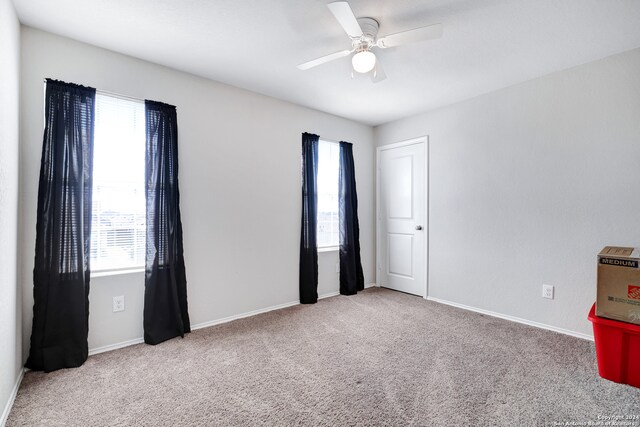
x,y
118,303
547,291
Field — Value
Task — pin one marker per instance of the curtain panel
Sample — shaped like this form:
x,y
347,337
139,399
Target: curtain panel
x,y
351,275
308,238
165,299
63,230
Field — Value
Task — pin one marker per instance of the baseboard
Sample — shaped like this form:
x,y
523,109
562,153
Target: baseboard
x,y
115,346
140,340
328,295
243,315
12,398
514,319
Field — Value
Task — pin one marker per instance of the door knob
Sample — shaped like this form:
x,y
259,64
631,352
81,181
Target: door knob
x,y
418,227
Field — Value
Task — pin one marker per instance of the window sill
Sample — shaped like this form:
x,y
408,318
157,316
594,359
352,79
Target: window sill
x,y
329,249
105,273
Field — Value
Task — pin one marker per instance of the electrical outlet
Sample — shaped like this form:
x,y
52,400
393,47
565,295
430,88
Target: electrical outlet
x,y
337,267
547,291
118,303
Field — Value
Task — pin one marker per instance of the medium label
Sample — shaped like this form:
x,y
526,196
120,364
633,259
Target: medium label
x,y
619,262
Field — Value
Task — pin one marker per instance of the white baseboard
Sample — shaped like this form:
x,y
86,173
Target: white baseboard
x,y
260,311
115,346
243,315
328,295
514,319
12,398
140,340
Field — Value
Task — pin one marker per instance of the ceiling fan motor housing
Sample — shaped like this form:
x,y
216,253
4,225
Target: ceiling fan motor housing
x,y
369,28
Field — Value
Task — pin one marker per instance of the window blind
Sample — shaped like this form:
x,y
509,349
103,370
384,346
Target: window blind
x,y
328,233
118,209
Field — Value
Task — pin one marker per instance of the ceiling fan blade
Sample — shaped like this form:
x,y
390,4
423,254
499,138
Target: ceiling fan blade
x,y
324,59
405,37
343,13
378,74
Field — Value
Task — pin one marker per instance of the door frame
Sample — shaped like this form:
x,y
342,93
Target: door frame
x,y
419,140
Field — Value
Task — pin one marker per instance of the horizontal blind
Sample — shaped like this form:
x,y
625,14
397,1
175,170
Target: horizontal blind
x,y
118,210
328,174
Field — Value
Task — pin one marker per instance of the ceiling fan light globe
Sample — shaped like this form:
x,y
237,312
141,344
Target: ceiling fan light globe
x,y
364,61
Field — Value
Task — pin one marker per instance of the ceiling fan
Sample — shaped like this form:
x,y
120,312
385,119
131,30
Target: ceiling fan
x,y
363,33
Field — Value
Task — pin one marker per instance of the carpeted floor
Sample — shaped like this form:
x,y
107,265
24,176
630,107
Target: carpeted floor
x,y
380,358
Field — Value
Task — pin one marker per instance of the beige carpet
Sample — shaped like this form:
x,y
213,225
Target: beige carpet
x,y
380,358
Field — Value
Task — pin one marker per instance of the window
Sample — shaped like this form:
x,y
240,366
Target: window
x,y
118,217
328,172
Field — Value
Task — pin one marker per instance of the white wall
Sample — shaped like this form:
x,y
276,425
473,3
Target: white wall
x,y
527,184
10,297
239,177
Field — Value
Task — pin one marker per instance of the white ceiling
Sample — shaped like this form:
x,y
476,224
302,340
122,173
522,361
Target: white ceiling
x,y
256,44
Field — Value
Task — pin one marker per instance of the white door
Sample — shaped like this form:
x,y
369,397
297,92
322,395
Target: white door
x,y
402,228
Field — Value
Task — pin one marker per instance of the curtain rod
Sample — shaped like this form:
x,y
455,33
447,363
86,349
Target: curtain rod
x,y
115,95
118,95
329,140
126,97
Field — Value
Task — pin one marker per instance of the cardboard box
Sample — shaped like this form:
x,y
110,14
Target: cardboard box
x,y
619,284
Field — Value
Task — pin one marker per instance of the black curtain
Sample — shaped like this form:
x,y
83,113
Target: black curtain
x,y
165,295
351,275
308,238
63,230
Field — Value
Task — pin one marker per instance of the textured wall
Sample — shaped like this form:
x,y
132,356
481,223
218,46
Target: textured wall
x,y
239,177
527,184
10,297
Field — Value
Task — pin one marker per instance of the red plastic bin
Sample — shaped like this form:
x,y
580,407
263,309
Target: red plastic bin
x,y
617,349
